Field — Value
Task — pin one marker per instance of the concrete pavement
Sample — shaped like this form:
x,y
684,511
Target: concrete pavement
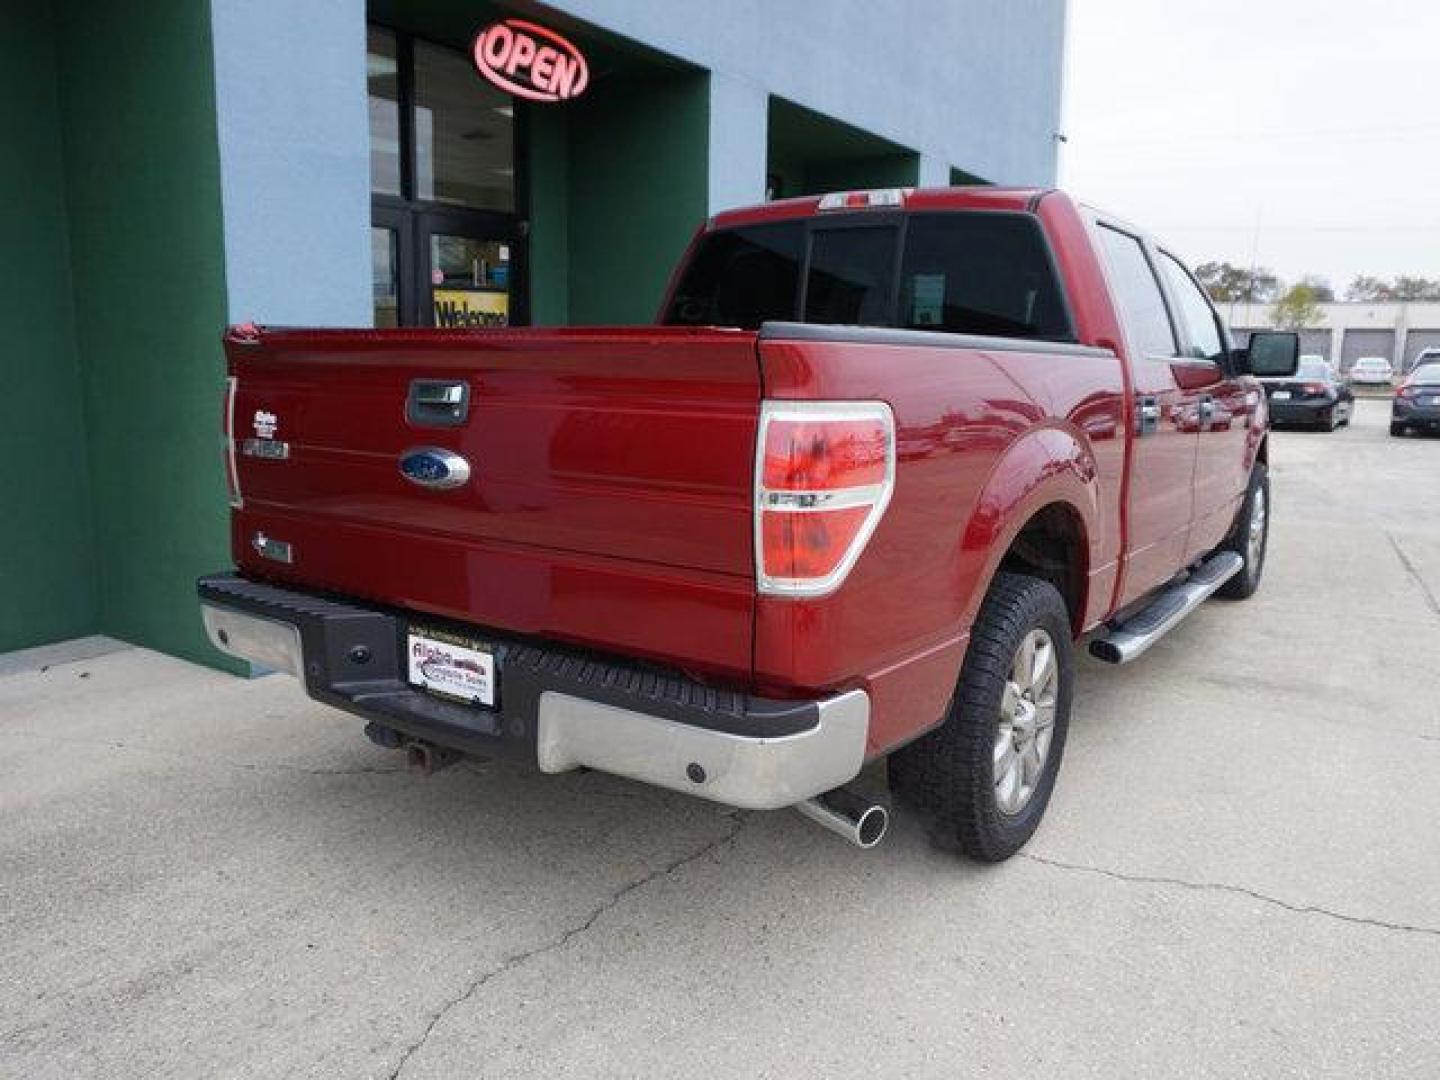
x,y
1239,874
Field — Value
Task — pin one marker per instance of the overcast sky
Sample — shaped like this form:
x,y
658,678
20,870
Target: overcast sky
x,y
1317,119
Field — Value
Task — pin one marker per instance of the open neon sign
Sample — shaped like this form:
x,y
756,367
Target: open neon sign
x,y
530,61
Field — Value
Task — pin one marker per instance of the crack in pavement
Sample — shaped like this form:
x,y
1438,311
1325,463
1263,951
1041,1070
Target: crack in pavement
x,y
510,963
1414,572
239,766
1235,890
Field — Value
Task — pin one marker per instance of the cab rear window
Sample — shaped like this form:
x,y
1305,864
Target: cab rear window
x,y
963,272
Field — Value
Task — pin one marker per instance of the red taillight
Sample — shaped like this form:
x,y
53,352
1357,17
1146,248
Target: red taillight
x,y
1405,391
802,546
808,455
227,443
823,480
1312,388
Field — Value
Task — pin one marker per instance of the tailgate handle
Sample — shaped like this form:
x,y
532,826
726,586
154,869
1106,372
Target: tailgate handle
x,y
437,403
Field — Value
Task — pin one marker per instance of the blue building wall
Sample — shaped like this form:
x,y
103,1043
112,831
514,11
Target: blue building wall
x,y
967,84
295,160
973,84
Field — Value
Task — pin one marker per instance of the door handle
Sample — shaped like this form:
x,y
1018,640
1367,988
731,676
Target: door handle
x,y
437,403
1147,416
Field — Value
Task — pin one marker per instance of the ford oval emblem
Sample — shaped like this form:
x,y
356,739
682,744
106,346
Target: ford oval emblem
x,y
432,467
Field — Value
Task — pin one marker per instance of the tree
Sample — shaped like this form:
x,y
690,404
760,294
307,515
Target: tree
x,y
1415,288
1368,289
1226,282
1297,309
1319,286
1404,287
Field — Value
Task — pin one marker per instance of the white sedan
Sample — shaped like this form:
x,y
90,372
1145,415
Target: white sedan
x,y
1372,371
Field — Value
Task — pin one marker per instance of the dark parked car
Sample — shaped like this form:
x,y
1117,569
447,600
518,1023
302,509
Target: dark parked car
x,y
1313,396
1417,402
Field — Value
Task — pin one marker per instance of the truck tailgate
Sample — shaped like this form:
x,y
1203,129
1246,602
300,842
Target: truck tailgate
x,y
609,496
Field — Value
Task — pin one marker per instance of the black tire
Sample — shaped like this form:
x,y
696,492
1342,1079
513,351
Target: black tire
x,y
948,774
1243,585
1334,421
1397,429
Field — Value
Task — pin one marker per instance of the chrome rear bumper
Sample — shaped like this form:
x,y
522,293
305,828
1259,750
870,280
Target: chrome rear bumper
x,y
754,773
559,714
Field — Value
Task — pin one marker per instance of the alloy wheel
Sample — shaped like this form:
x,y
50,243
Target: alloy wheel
x,y
1026,723
1255,541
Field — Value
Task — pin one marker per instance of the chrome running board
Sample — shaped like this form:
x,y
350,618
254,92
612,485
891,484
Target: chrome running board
x,y
1124,642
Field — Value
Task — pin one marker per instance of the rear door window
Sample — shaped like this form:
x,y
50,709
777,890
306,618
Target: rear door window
x,y
1142,305
980,274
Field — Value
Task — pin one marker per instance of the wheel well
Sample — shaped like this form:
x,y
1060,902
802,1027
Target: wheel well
x,y
1051,547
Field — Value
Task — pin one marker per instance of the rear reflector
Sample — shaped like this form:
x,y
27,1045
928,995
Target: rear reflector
x,y
863,200
824,475
227,444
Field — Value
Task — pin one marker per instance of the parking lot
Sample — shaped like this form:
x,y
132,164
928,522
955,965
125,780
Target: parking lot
x,y
1239,874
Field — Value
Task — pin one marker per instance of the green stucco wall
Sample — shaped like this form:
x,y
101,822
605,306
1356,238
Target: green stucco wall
x,y
48,588
618,185
549,212
638,184
142,183
880,171
809,153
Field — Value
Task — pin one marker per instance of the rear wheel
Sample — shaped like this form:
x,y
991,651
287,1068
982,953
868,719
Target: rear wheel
x,y
1397,429
1249,537
984,777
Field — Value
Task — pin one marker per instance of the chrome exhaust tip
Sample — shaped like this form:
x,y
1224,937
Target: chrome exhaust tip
x,y
846,813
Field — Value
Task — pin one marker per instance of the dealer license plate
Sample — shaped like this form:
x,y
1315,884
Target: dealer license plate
x,y
1280,395
451,666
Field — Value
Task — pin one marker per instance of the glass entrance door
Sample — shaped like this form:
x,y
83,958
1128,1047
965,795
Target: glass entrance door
x,y
471,270
385,275
447,242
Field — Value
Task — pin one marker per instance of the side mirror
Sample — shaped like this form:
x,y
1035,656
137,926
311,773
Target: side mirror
x,y
1272,354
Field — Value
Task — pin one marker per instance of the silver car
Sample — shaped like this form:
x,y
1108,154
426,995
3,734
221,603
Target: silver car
x,y
1372,371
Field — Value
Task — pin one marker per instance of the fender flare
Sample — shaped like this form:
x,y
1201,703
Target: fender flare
x,y
1044,467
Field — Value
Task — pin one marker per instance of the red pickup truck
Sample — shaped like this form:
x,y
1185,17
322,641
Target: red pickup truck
x,y
886,458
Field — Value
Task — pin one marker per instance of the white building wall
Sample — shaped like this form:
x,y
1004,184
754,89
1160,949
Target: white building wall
x,y
1421,318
